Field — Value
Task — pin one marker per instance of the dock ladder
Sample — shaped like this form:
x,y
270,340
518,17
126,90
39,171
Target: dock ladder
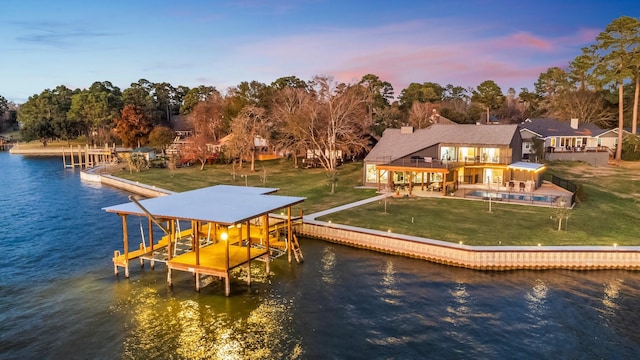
x,y
297,251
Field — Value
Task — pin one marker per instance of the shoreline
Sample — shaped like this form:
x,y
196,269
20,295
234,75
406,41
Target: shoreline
x,y
493,258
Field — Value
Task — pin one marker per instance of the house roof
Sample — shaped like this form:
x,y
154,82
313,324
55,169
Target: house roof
x,y
551,127
224,204
143,150
396,144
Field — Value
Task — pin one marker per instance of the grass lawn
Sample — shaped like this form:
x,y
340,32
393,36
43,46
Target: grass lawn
x,y
610,213
310,183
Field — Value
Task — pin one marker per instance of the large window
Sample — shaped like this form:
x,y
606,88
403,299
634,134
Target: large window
x,y
448,153
490,155
372,174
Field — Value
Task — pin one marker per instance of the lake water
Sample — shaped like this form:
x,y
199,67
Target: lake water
x,y
59,298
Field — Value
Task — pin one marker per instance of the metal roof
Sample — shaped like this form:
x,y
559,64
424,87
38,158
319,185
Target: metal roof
x,y
224,204
528,166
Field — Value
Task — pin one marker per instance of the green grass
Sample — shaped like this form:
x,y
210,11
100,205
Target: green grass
x,y
310,183
610,214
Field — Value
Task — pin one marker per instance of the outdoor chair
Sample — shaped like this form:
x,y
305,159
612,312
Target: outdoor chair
x,y
522,186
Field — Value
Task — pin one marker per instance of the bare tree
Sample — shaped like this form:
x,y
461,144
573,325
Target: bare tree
x,y
421,115
250,123
290,114
586,105
206,117
338,123
196,148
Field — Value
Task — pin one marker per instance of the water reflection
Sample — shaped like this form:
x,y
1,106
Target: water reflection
x,y
537,297
390,292
611,294
158,326
328,264
459,311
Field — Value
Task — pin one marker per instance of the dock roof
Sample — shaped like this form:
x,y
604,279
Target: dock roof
x,y
223,204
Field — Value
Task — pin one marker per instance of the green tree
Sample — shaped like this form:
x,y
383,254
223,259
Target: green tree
x,y
4,106
580,70
44,116
530,103
161,137
96,108
139,95
380,97
489,94
617,47
196,95
288,82
164,100
425,92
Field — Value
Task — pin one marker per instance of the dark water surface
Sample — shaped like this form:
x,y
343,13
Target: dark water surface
x,y
60,300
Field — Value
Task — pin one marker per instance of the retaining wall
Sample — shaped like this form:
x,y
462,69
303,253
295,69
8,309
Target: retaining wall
x,y
123,184
479,257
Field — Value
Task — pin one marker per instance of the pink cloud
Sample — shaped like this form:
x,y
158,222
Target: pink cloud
x,y
412,52
523,39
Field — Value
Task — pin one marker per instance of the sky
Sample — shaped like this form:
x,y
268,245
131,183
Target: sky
x,y
49,43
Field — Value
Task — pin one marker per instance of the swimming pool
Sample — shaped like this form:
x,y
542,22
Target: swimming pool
x,y
514,196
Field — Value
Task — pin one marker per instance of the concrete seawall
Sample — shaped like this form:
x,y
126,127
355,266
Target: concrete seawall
x,y
91,175
479,257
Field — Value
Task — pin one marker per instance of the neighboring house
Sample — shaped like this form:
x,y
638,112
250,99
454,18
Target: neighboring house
x,y
569,140
261,147
147,153
442,157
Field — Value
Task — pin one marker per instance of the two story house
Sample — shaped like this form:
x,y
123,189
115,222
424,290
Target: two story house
x,y
443,157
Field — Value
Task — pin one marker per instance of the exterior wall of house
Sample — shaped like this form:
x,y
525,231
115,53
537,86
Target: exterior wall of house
x,y
609,140
515,148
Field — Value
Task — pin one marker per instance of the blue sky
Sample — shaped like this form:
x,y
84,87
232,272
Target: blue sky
x,y
222,43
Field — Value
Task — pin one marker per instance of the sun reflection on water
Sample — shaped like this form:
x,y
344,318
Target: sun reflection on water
x,y
610,296
158,326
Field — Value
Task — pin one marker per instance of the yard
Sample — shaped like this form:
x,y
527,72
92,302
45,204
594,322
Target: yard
x,y
610,213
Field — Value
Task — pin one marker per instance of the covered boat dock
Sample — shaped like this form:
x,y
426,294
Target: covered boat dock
x,y
230,227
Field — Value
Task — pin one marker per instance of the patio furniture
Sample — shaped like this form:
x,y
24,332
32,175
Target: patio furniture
x,y
512,185
522,185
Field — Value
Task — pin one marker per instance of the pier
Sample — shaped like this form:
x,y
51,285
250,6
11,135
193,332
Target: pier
x,y
5,145
88,157
230,226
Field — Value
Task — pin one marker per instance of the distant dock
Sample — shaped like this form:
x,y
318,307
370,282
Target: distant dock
x,y
72,156
4,145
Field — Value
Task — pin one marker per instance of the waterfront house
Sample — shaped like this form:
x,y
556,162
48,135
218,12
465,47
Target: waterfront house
x,y
569,140
148,153
443,157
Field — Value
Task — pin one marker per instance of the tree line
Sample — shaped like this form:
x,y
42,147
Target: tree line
x,y
601,85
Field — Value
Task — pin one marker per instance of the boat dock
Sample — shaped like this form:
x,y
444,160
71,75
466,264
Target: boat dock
x,y
230,226
88,157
